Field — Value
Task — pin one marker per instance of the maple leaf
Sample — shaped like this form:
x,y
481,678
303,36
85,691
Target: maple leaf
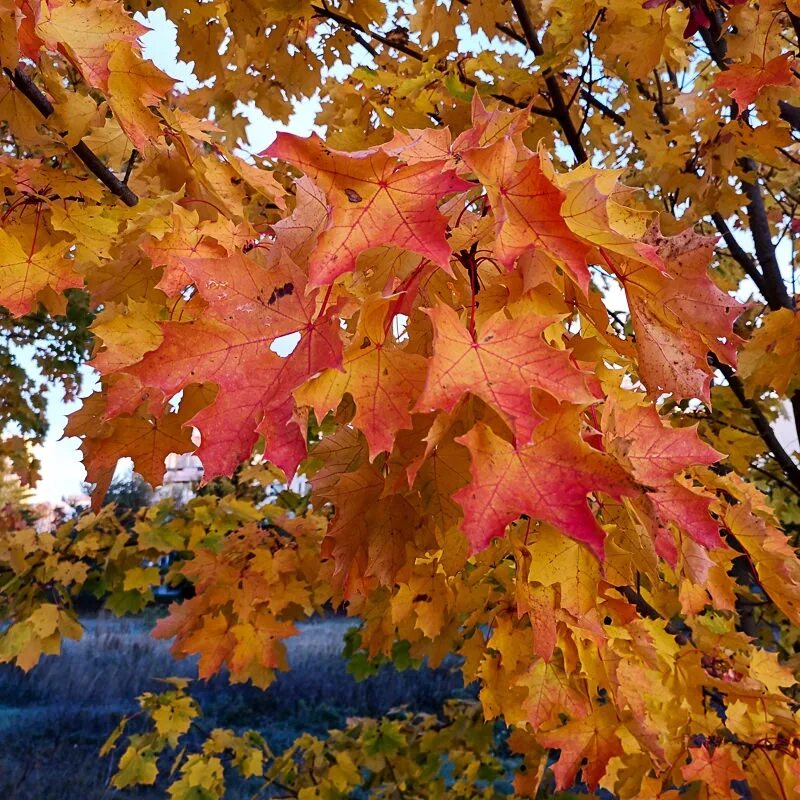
x,y
679,316
587,744
771,358
23,275
595,209
254,383
654,452
382,378
547,479
84,31
147,441
777,564
716,767
127,334
181,238
500,365
526,207
373,200
133,85
490,127
416,145
746,81
550,694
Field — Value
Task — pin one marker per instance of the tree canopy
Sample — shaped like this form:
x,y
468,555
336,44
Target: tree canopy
x,y
523,311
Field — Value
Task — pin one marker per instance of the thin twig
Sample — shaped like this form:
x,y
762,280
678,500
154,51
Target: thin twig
x,y
129,168
403,47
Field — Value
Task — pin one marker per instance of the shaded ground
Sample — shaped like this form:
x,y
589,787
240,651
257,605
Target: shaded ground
x,y
54,720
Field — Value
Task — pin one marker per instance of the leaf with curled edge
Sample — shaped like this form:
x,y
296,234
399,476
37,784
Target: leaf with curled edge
x,y
125,333
85,33
596,210
776,562
527,208
501,365
678,315
373,199
383,379
135,84
548,479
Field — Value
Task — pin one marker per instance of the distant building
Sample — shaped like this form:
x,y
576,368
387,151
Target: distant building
x,y
183,473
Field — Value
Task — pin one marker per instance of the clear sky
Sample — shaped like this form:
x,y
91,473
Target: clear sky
x,y
62,470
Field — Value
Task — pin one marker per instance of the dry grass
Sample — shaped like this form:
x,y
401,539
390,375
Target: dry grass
x,y
53,721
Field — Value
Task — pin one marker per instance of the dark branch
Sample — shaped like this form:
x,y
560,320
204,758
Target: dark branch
x,y
790,469
790,114
81,150
603,108
560,110
129,168
775,291
738,253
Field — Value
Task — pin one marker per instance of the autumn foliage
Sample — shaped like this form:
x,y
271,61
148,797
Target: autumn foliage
x,y
537,405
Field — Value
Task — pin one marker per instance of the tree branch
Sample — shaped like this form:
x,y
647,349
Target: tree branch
x,y
761,423
560,109
81,150
357,30
738,253
603,108
776,293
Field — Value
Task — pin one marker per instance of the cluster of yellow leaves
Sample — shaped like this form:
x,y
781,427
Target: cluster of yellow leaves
x,y
43,574
418,755
172,714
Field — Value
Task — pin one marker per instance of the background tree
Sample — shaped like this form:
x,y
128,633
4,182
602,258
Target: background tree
x,y
506,348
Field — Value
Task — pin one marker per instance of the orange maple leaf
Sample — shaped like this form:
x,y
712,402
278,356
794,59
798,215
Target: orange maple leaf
x,y
587,744
146,440
501,365
547,479
678,315
382,378
255,384
527,208
373,199
746,81
716,768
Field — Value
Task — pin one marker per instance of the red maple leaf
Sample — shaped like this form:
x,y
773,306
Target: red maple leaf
x,y
373,199
501,366
548,479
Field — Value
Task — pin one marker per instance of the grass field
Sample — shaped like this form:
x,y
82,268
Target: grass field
x,y
54,720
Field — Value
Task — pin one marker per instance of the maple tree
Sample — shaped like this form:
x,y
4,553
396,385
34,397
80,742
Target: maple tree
x,y
539,408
